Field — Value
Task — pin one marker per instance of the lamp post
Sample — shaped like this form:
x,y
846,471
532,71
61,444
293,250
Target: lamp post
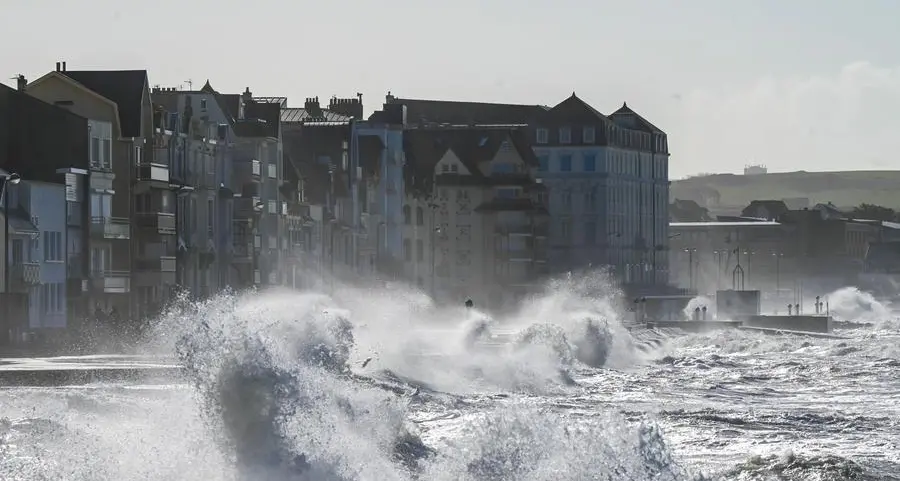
x,y
690,251
6,178
434,230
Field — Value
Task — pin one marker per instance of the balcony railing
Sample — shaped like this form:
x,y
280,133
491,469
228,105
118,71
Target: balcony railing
x,y
162,222
111,282
159,264
247,171
23,276
153,172
111,227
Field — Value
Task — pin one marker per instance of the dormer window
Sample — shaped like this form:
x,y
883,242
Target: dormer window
x,y
565,135
542,136
588,134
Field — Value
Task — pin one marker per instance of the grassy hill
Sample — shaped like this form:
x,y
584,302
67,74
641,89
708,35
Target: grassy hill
x,y
849,188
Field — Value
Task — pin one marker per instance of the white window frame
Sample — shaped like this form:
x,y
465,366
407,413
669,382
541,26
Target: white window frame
x,y
565,135
542,136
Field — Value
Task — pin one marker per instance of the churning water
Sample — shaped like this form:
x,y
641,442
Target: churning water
x,y
368,384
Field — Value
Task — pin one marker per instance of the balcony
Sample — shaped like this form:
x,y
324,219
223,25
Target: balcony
x,y
111,282
161,222
151,270
156,174
514,229
23,276
110,227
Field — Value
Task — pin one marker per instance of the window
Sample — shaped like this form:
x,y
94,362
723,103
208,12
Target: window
x,y
542,136
567,200
590,199
138,154
590,162
202,104
273,171
503,168
95,152
565,135
420,216
407,250
565,229
18,252
407,215
565,163
53,246
101,205
544,163
273,207
590,233
106,154
587,135
420,250
507,193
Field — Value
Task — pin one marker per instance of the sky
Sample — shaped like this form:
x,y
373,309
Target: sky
x,y
792,84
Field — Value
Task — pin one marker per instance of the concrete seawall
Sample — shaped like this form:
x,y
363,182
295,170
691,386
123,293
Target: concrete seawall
x,y
820,324
694,326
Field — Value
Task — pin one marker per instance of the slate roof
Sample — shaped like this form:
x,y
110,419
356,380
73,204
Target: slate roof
x,y
627,117
425,147
775,208
467,113
123,87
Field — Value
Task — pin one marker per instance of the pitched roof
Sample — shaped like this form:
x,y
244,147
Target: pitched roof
x,y
574,108
775,208
424,148
124,87
467,113
632,120
294,114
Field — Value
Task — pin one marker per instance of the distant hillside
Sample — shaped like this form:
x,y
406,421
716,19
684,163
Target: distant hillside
x,y
840,188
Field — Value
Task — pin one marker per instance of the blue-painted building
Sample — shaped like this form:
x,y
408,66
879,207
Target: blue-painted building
x,y
607,181
386,197
37,252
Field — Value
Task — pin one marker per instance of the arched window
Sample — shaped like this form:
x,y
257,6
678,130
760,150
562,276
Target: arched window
x,y
420,216
407,215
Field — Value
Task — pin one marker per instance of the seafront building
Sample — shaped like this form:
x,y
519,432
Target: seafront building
x,y
198,191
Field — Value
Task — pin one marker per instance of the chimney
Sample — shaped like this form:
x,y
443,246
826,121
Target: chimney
x,y
21,82
64,66
312,107
247,96
349,107
58,66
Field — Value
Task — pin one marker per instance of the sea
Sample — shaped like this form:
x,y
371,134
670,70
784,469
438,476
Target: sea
x,y
381,384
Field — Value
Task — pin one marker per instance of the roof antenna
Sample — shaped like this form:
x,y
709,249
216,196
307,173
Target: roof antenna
x,y
190,84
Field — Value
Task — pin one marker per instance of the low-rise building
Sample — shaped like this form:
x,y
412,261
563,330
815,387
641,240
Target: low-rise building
x,y
809,250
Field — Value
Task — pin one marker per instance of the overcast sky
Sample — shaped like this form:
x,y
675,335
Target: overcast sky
x,y
794,84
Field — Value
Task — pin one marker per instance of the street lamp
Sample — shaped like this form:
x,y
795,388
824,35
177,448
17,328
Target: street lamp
x,y
6,178
690,251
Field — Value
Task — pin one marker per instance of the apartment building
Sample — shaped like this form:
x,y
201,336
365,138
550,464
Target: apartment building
x,y
198,133
606,175
117,106
46,146
475,221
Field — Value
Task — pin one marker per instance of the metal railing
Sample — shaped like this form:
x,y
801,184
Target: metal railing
x,y
111,227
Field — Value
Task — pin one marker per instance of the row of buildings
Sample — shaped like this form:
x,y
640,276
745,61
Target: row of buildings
x,y
167,190
786,253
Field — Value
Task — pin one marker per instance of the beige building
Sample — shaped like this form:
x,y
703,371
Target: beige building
x,y
117,105
475,222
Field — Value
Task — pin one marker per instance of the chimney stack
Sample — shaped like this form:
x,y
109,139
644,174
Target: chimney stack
x,y
58,66
64,66
21,82
312,107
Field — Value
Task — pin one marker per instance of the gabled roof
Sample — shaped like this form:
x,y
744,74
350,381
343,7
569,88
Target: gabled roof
x,y
425,147
123,87
574,108
632,120
467,113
